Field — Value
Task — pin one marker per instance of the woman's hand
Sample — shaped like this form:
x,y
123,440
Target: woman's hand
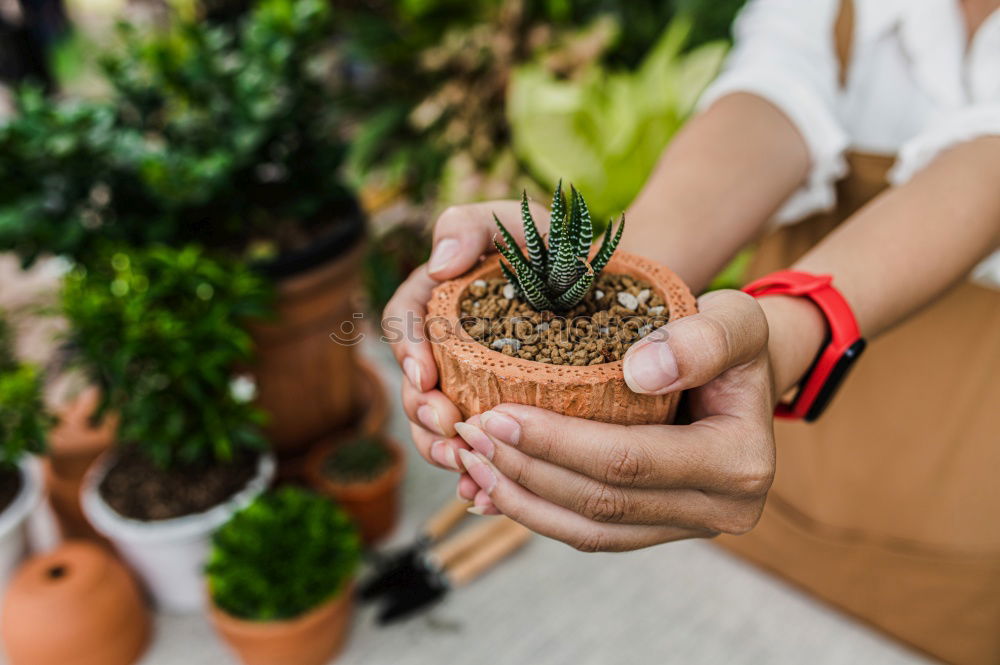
x,y
462,235
601,487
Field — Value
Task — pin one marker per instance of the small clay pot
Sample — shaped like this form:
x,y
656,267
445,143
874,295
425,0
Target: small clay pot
x,y
64,497
373,504
476,378
373,405
77,605
312,639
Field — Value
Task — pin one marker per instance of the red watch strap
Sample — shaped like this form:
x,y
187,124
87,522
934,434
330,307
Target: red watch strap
x,y
843,347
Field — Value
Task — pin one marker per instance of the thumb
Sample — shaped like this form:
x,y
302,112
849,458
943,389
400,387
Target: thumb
x,y
729,329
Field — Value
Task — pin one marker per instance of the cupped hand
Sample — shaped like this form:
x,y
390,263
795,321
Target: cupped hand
x,y
462,235
601,487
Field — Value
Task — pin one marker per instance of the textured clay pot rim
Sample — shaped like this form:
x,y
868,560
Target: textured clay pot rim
x,y
445,304
187,528
361,490
28,497
256,629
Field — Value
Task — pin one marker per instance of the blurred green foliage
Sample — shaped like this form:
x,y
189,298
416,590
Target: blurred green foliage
x,y
285,554
358,460
605,130
161,331
228,136
23,418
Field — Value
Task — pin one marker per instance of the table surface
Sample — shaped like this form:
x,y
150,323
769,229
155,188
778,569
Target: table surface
x,y
685,602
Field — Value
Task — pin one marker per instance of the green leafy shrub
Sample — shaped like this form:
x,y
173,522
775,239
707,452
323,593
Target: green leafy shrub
x,y
361,459
224,136
605,130
286,553
162,331
23,419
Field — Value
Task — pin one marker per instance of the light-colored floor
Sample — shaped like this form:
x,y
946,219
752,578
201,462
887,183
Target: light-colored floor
x,y
683,603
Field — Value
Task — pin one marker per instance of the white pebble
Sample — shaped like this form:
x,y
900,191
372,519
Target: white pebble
x,y
645,330
599,294
508,291
498,344
541,327
628,301
604,330
656,311
644,296
479,282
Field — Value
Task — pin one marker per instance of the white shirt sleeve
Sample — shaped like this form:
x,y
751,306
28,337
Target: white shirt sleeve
x,y
784,52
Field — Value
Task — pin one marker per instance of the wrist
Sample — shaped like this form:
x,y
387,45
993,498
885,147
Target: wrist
x,y
797,332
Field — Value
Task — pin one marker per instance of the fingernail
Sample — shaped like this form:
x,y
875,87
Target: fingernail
x,y
479,471
651,368
476,510
443,254
502,427
444,454
412,369
476,438
428,417
483,503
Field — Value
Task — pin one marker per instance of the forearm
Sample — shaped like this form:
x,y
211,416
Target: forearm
x,y
898,253
724,175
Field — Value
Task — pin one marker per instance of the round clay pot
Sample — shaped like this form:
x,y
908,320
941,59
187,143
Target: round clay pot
x,y
13,520
306,379
373,504
64,497
476,378
168,555
373,405
75,605
311,639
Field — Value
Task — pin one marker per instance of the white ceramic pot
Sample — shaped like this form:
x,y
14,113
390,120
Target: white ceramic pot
x,y
13,520
168,555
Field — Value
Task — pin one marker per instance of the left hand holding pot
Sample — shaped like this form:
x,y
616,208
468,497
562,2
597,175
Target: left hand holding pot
x,y
602,487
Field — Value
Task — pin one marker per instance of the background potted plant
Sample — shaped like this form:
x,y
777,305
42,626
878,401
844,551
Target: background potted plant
x,y
550,326
363,474
280,578
23,423
161,331
229,136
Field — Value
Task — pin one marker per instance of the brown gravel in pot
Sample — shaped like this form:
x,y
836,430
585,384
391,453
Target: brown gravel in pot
x,y
617,312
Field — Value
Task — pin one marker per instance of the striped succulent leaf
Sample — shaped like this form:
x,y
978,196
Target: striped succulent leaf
x,y
557,277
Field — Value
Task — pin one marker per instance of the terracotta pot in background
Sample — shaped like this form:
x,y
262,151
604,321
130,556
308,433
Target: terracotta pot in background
x,y
373,412
312,639
374,504
168,555
78,605
306,381
74,444
476,378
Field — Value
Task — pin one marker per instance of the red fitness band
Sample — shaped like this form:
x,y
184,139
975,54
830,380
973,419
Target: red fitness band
x,y
844,343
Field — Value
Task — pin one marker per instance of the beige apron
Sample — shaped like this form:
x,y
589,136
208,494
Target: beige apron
x,y
889,506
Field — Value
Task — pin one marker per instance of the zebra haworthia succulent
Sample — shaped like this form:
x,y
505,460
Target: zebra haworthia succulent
x,y
558,276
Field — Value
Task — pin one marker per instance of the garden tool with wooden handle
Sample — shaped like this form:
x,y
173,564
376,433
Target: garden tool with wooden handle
x,y
400,566
455,563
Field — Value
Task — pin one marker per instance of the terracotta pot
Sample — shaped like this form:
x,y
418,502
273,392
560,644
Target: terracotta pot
x,y
476,378
374,504
75,605
14,518
306,380
373,405
168,555
312,639
74,444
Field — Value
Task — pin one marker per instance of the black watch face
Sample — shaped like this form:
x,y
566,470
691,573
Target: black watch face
x,y
833,381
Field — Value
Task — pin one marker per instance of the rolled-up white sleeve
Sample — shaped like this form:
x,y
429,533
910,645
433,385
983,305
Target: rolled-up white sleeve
x,y
783,51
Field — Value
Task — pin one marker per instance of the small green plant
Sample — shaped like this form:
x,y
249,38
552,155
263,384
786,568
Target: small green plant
x,y
162,332
286,553
23,419
360,459
558,276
